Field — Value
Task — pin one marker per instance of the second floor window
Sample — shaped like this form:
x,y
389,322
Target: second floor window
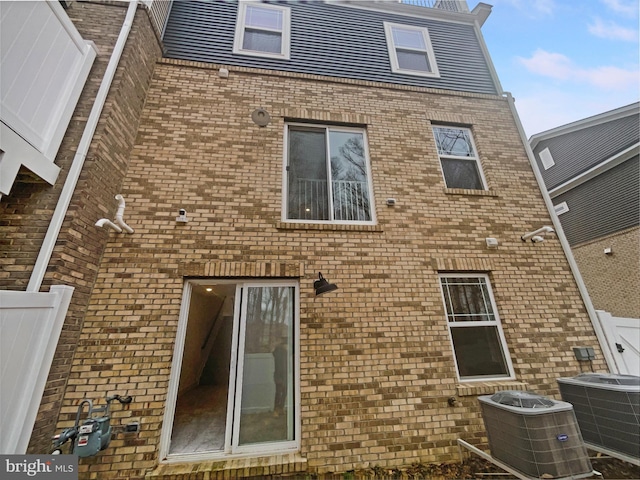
x,y
410,50
327,175
262,30
460,163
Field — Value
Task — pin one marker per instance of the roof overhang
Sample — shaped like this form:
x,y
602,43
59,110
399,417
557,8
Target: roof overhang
x,y
626,111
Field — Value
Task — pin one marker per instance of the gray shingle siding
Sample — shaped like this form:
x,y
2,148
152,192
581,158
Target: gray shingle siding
x,y
604,205
332,40
577,152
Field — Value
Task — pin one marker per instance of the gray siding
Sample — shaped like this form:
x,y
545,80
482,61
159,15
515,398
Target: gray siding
x,y
604,205
330,40
577,152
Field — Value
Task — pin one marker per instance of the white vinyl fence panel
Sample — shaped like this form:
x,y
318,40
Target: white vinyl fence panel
x,y
623,341
30,325
45,63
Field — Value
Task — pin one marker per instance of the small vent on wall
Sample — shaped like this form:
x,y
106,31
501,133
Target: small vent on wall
x,y
561,208
546,159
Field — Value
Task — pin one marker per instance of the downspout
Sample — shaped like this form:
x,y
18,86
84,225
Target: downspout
x,y
46,250
593,316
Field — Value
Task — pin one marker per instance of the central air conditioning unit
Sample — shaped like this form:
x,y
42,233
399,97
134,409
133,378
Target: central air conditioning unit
x,y
535,435
607,407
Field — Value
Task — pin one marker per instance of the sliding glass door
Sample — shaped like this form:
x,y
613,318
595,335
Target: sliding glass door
x,y
239,370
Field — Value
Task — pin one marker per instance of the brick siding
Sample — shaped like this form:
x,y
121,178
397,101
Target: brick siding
x,y
613,280
377,365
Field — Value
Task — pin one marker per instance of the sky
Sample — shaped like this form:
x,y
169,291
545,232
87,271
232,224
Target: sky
x,y
564,60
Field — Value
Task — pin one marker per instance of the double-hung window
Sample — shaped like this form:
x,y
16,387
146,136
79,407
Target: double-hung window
x,y
263,30
478,341
327,177
410,50
458,158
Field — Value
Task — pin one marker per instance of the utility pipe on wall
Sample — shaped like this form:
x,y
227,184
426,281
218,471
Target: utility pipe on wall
x,y
44,256
593,316
119,224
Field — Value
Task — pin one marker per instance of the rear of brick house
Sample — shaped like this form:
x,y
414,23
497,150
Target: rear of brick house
x,y
368,142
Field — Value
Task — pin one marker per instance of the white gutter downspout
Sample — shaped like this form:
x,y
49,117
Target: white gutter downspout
x,y
42,262
593,316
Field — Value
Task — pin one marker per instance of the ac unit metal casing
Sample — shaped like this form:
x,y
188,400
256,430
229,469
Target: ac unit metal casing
x,y
607,407
535,435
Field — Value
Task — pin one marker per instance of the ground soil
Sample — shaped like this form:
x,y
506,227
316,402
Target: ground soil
x,y
473,467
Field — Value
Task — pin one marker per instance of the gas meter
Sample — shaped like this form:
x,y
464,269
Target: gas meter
x,y
94,434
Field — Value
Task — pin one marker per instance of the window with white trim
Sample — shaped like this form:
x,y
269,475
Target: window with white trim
x,y
262,30
234,386
458,158
478,340
410,50
327,175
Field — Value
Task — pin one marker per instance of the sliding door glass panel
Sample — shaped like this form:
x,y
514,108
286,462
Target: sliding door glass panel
x,y
307,172
267,388
349,176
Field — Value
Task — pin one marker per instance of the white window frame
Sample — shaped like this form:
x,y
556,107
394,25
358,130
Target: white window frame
x,y
487,323
475,158
241,28
239,323
393,56
285,175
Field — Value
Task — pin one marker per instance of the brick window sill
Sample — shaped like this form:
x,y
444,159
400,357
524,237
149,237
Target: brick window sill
x,y
328,226
283,464
489,388
470,192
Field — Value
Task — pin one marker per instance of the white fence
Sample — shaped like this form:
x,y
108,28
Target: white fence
x,y
30,325
45,63
622,341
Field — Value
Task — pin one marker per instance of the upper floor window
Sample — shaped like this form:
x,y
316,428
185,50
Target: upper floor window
x,y
327,175
460,163
262,30
478,341
410,50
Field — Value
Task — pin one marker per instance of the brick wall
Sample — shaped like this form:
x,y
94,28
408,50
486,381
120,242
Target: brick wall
x,y
27,211
613,281
376,360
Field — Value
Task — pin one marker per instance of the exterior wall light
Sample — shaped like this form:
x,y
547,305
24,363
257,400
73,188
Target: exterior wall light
x,y
322,286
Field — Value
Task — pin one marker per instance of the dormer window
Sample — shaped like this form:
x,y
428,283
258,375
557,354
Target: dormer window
x,y
410,50
262,30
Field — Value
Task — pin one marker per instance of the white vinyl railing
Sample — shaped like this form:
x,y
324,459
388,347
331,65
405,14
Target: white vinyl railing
x,y
450,5
159,10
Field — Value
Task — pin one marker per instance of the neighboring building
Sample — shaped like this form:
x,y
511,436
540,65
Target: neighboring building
x,y
368,141
57,179
591,171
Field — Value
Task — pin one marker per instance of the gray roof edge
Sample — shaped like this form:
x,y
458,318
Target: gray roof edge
x,y
626,111
409,10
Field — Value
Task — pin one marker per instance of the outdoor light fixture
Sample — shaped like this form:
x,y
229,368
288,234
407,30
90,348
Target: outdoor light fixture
x,y
537,235
322,286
